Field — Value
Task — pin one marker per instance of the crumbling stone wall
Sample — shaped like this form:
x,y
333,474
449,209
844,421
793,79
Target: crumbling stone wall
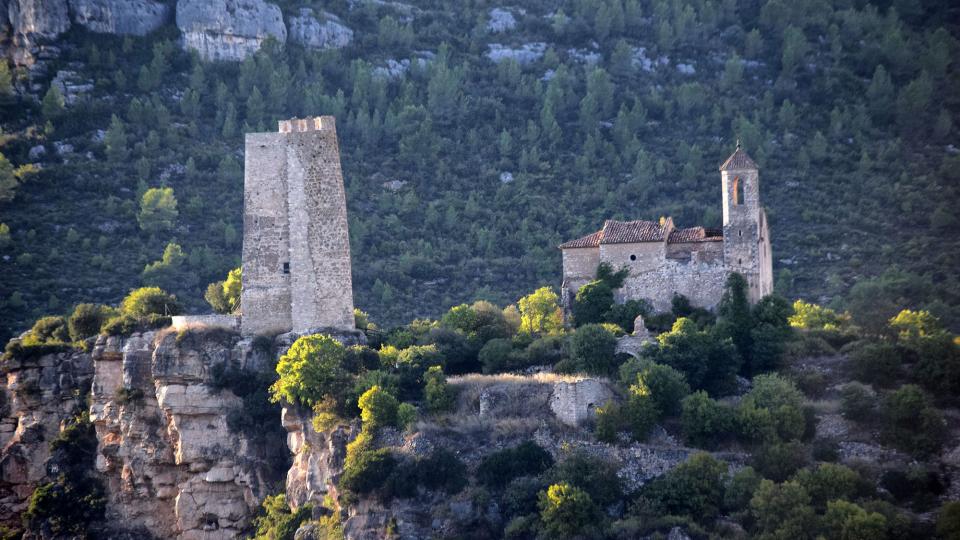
x,y
296,247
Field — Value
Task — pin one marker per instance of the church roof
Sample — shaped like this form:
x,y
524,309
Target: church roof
x,y
738,161
695,234
638,231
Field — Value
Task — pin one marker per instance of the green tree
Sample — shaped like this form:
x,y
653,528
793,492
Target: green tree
x,y
147,301
224,296
6,80
540,312
438,394
8,180
703,419
377,408
592,349
734,317
695,488
567,511
87,319
783,402
592,301
158,210
51,107
708,362
277,521
311,370
782,511
795,48
912,423
827,482
664,385
847,521
115,140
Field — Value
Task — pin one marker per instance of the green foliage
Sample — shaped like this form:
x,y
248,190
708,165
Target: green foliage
x,y
911,422
540,312
498,356
948,521
276,521
525,459
146,301
846,521
567,511
665,386
708,362
367,471
115,141
158,210
87,319
782,511
703,420
780,405
438,394
377,408
311,370
857,402
48,330
52,104
827,482
636,416
224,296
592,302
8,183
743,484
591,350
595,475
695,488
876,363
779,461
809,316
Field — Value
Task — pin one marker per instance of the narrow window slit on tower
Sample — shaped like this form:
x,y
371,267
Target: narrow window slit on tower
x,y
286,268
737,191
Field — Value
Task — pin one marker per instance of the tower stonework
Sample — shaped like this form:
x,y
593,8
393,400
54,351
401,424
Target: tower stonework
x,y
296,246
746,236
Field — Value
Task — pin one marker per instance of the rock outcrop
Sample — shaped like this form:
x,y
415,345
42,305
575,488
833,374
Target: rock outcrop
x,y
169,461
328,32
317,457
32,22
123,17
228,29
38,396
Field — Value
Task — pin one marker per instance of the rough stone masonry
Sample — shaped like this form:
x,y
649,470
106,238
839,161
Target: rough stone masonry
x,y
296,248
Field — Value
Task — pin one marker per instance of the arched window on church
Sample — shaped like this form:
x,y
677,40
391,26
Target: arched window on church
x,y
737,191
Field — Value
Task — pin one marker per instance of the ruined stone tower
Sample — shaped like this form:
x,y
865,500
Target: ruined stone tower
x,y
746,237
296,248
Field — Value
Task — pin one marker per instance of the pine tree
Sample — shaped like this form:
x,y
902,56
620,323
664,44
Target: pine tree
x,y
116,140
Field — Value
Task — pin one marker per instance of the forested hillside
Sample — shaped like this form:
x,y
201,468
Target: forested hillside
x,y
473,145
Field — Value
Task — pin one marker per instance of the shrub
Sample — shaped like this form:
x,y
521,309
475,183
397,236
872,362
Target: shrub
x,y
377,408
124,325
442,470
547,350
707,361
695,488
48,330
458,353
406,416
525,459
828,481
703,419
540,312
595,475
779,461
437,393
224,296
310,370
145,301
497,356
410,366
624,315
359,358
743,484
88,319
567,512
877,363
640,414
592,349
784,402
782,510
948,521
916,484
520,495
664,385
276,521
911,423
857,402
846,520
367,471
938,366
592,302
609,422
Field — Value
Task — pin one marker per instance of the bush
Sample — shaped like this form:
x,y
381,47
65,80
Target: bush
x,y
783,402
664,385
917,485
567,512
597,476
828,481
88,319
846,520
624,315
948,521
276,521
544,351
876,363
310,370
857,402
410,366
592,349
145,301
695,488
459,354
525,459
591,303
938,366
779,461
743,484
48,330
377,409
708,362
703,419
497,356
124,325
911,423
367,470
520,495
438,394
782,510
442,470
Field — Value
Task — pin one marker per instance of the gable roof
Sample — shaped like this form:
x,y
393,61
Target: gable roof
x,y
590,240
620,232
738,161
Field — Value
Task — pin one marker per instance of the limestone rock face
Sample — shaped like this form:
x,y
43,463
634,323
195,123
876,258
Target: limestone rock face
x,y
317,457
133,17
34,21
169,462
228,29
305,29
36,397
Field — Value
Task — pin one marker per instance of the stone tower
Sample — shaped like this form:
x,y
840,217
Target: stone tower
x,y
296,248
746,238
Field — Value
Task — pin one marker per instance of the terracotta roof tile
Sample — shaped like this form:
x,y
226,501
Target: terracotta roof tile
x,y
695,234
590,240
737,161
628,232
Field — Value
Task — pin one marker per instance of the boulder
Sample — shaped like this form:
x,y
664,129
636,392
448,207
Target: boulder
x,y
326,33
501,20
228,29
123,17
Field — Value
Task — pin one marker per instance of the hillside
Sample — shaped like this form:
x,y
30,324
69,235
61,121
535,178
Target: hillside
x,y
474,140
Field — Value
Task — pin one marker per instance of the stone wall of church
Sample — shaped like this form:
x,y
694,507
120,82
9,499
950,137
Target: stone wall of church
x,y
701,282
